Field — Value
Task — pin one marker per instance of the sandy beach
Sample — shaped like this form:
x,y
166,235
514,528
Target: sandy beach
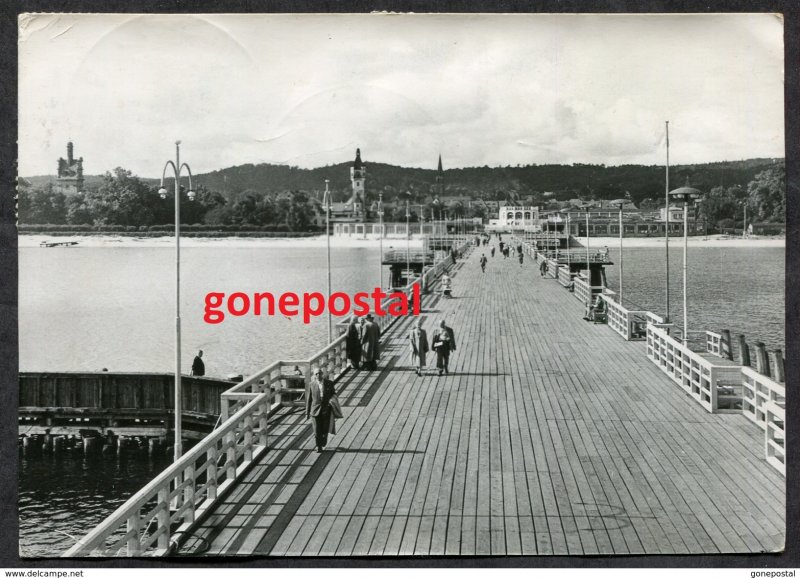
x,y
397,242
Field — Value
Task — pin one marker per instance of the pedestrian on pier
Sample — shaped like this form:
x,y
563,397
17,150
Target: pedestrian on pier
x,y
521,257
543,268
318,396
444,341
502,245
353,344
418,339
198,367
370,340
492,251
483,262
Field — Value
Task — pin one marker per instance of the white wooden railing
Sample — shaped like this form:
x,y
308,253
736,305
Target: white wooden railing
x,y
775,436
565,276
758,391
172,502
701,378
631,325
583,291
714,343
149,523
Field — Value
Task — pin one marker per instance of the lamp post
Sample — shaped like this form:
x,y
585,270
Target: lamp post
x,y
408,244
586,208
380,234
326,202
619,203
421,217
433,235
666,228
744,223
686,195
177,168
569,233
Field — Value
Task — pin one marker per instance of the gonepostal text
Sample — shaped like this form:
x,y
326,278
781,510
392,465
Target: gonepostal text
x,y
308,305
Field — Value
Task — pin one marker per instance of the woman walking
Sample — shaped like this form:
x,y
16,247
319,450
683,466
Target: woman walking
x,y
418,339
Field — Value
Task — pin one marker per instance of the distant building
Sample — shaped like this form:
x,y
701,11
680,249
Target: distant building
x,y
518,216
69,179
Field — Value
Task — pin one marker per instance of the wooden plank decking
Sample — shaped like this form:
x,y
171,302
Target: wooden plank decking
x,y
550,436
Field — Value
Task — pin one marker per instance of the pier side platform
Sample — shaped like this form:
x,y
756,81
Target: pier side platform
x,y
549,436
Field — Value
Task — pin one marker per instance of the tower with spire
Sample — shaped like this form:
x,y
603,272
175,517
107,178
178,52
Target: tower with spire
x,y
358,177
440,178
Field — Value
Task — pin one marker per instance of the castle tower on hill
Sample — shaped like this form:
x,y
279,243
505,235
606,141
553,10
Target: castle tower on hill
x,y
358,177
69,179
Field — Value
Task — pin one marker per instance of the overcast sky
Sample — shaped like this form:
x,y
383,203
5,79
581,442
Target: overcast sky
x,y
482,90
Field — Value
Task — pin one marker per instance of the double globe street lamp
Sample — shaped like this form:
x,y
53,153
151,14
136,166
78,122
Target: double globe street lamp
x,y
177,169
686,195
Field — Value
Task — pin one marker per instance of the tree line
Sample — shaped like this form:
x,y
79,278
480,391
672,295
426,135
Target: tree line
x,y
123,199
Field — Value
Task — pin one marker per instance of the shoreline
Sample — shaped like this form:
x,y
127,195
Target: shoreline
x,y
29,241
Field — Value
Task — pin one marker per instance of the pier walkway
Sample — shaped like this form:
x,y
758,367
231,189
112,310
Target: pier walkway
x,y
550,435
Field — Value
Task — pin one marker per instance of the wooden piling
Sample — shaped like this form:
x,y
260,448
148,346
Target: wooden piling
x,y
762,360
153,446
31,445
777,366
92,445
58,445
744,351
725,348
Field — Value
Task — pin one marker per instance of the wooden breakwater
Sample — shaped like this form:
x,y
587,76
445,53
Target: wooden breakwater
x,y
93,410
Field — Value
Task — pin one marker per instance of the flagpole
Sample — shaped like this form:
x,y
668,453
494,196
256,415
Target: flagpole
x,y
666,229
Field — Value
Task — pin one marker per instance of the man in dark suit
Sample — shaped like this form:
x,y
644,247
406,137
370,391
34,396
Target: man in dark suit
x,y
370,343
443,342
198,367
318,395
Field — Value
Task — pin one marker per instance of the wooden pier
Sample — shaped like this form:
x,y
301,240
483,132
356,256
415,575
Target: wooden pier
x,y
550,436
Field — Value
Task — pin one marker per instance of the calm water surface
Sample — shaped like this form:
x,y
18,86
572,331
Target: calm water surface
x,y
113,307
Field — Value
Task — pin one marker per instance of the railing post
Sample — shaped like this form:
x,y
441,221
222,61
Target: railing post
x,y
211,472
162,518
134,546
262,424
248,439
188,493
230,462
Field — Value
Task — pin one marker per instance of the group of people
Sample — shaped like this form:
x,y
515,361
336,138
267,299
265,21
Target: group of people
x,y
362,344
442,343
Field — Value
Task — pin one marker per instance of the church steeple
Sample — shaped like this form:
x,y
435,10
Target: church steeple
x,y
440,178
358,177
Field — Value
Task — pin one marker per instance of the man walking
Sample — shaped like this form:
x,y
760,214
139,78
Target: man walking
x,y
444,341
370,338
318,396
483,263
492,251
198,367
